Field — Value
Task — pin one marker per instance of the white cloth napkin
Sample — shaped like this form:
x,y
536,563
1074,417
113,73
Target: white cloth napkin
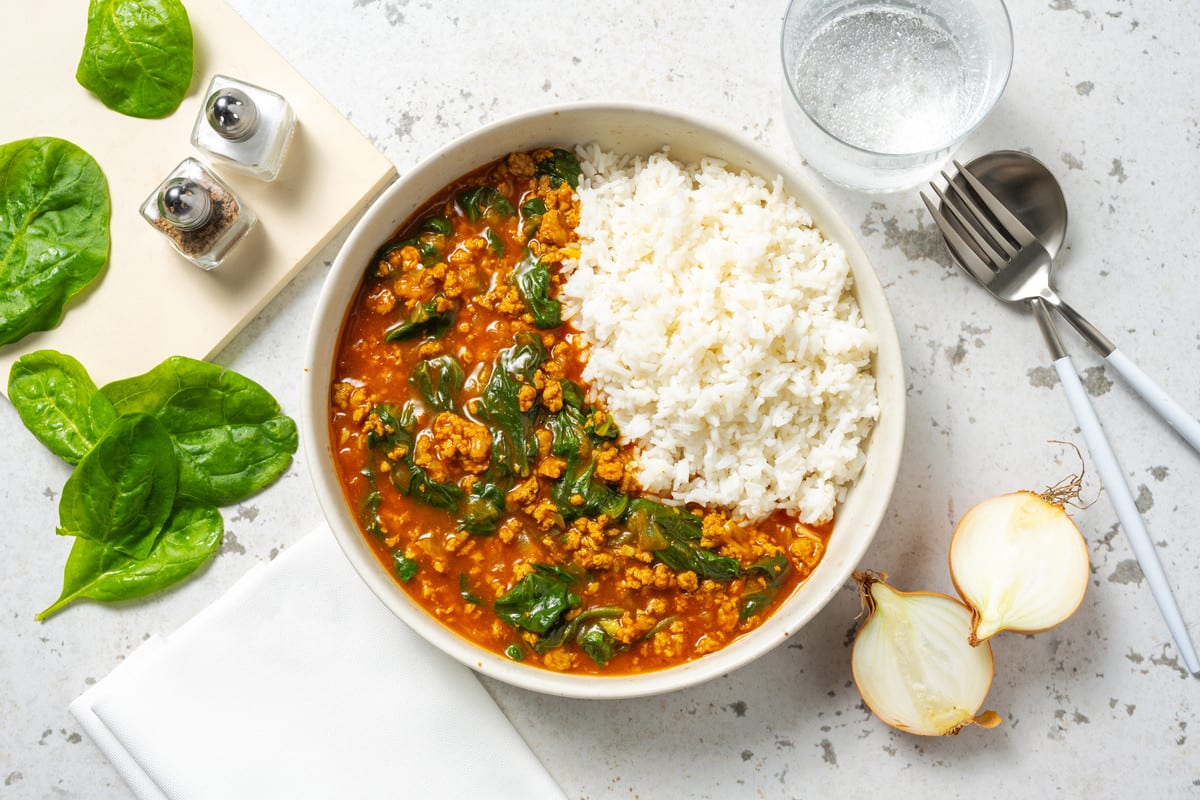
x,y
299,683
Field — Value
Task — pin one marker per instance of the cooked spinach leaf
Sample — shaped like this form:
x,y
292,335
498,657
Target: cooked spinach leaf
x,y
424,320
59,403
395,439
485,203
567,429
561,165
439,380
580,494
395,427
368,512
137,55
566,630
439,495
532,277
774,570
464,591
679,533
54,213
514,447
101,572
495,242
405,568
600,425
227,430
539,600
484,508
596,640
438,224
531,216
122,491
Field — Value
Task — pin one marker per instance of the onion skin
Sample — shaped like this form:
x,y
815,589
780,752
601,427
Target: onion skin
x,y
1020,563
896,688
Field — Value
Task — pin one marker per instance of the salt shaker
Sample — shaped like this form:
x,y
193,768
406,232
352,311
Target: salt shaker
x,y
200,216
244,126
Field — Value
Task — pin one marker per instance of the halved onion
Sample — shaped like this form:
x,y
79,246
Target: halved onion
x,y
1019,562
913,665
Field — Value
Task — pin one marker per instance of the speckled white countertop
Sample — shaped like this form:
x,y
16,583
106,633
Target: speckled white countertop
x,y
1104,91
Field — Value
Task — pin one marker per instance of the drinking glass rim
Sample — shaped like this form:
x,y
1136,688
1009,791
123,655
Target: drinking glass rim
x,y
1002,84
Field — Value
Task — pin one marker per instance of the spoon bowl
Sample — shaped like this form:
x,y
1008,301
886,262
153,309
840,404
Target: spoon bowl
x,y
1028,189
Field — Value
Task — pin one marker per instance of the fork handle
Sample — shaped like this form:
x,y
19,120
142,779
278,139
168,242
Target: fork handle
x,y
1154,395
1114,481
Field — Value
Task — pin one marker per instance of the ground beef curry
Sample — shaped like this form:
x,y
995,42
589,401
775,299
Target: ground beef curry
x,y
488,479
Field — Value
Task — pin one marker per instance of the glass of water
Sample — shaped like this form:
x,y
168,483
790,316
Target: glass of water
x,y
878,95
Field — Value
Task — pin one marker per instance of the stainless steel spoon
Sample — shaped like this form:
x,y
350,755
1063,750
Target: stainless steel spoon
x,y
1026,188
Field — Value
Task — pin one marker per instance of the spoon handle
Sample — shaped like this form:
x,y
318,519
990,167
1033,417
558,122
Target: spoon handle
x,y
1117,487
1154,395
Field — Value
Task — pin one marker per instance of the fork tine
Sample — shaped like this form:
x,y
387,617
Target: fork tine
x,y
981,219
964,256
1006,218
978,242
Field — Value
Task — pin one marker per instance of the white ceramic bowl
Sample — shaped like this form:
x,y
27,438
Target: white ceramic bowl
x,y
621,128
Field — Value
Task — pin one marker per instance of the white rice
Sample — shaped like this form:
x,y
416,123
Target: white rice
x,y
724,338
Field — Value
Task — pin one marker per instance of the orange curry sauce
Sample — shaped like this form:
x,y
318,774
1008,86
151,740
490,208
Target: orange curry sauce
x,y
487,478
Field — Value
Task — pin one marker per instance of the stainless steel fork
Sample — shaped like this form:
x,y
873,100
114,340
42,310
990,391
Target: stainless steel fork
x,y
1008,259
1000,253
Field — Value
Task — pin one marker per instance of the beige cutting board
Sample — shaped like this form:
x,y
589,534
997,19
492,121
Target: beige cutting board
x,y
150,302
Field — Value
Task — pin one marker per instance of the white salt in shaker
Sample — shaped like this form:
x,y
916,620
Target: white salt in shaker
x,y
245,126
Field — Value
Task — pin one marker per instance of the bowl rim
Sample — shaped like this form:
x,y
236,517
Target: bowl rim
x,y
884,446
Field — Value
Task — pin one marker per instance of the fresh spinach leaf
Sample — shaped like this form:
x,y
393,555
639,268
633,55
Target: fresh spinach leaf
x,y
227,430
54,213
532,277
486,203
101,572
425,320
59,403
561,165
439,380
404,567
539,600
484,508
137,55
122,491
514,447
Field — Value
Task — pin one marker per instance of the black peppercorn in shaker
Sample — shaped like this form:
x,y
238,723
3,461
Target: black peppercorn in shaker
x,y
198,213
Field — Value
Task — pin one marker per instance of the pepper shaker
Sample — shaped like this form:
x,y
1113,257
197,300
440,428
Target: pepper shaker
x,y
200,216
244,126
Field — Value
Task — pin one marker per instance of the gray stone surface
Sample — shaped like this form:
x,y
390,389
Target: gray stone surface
x,y
1103,91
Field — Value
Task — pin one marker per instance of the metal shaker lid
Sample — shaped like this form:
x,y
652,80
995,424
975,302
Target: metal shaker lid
x,y
232,114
